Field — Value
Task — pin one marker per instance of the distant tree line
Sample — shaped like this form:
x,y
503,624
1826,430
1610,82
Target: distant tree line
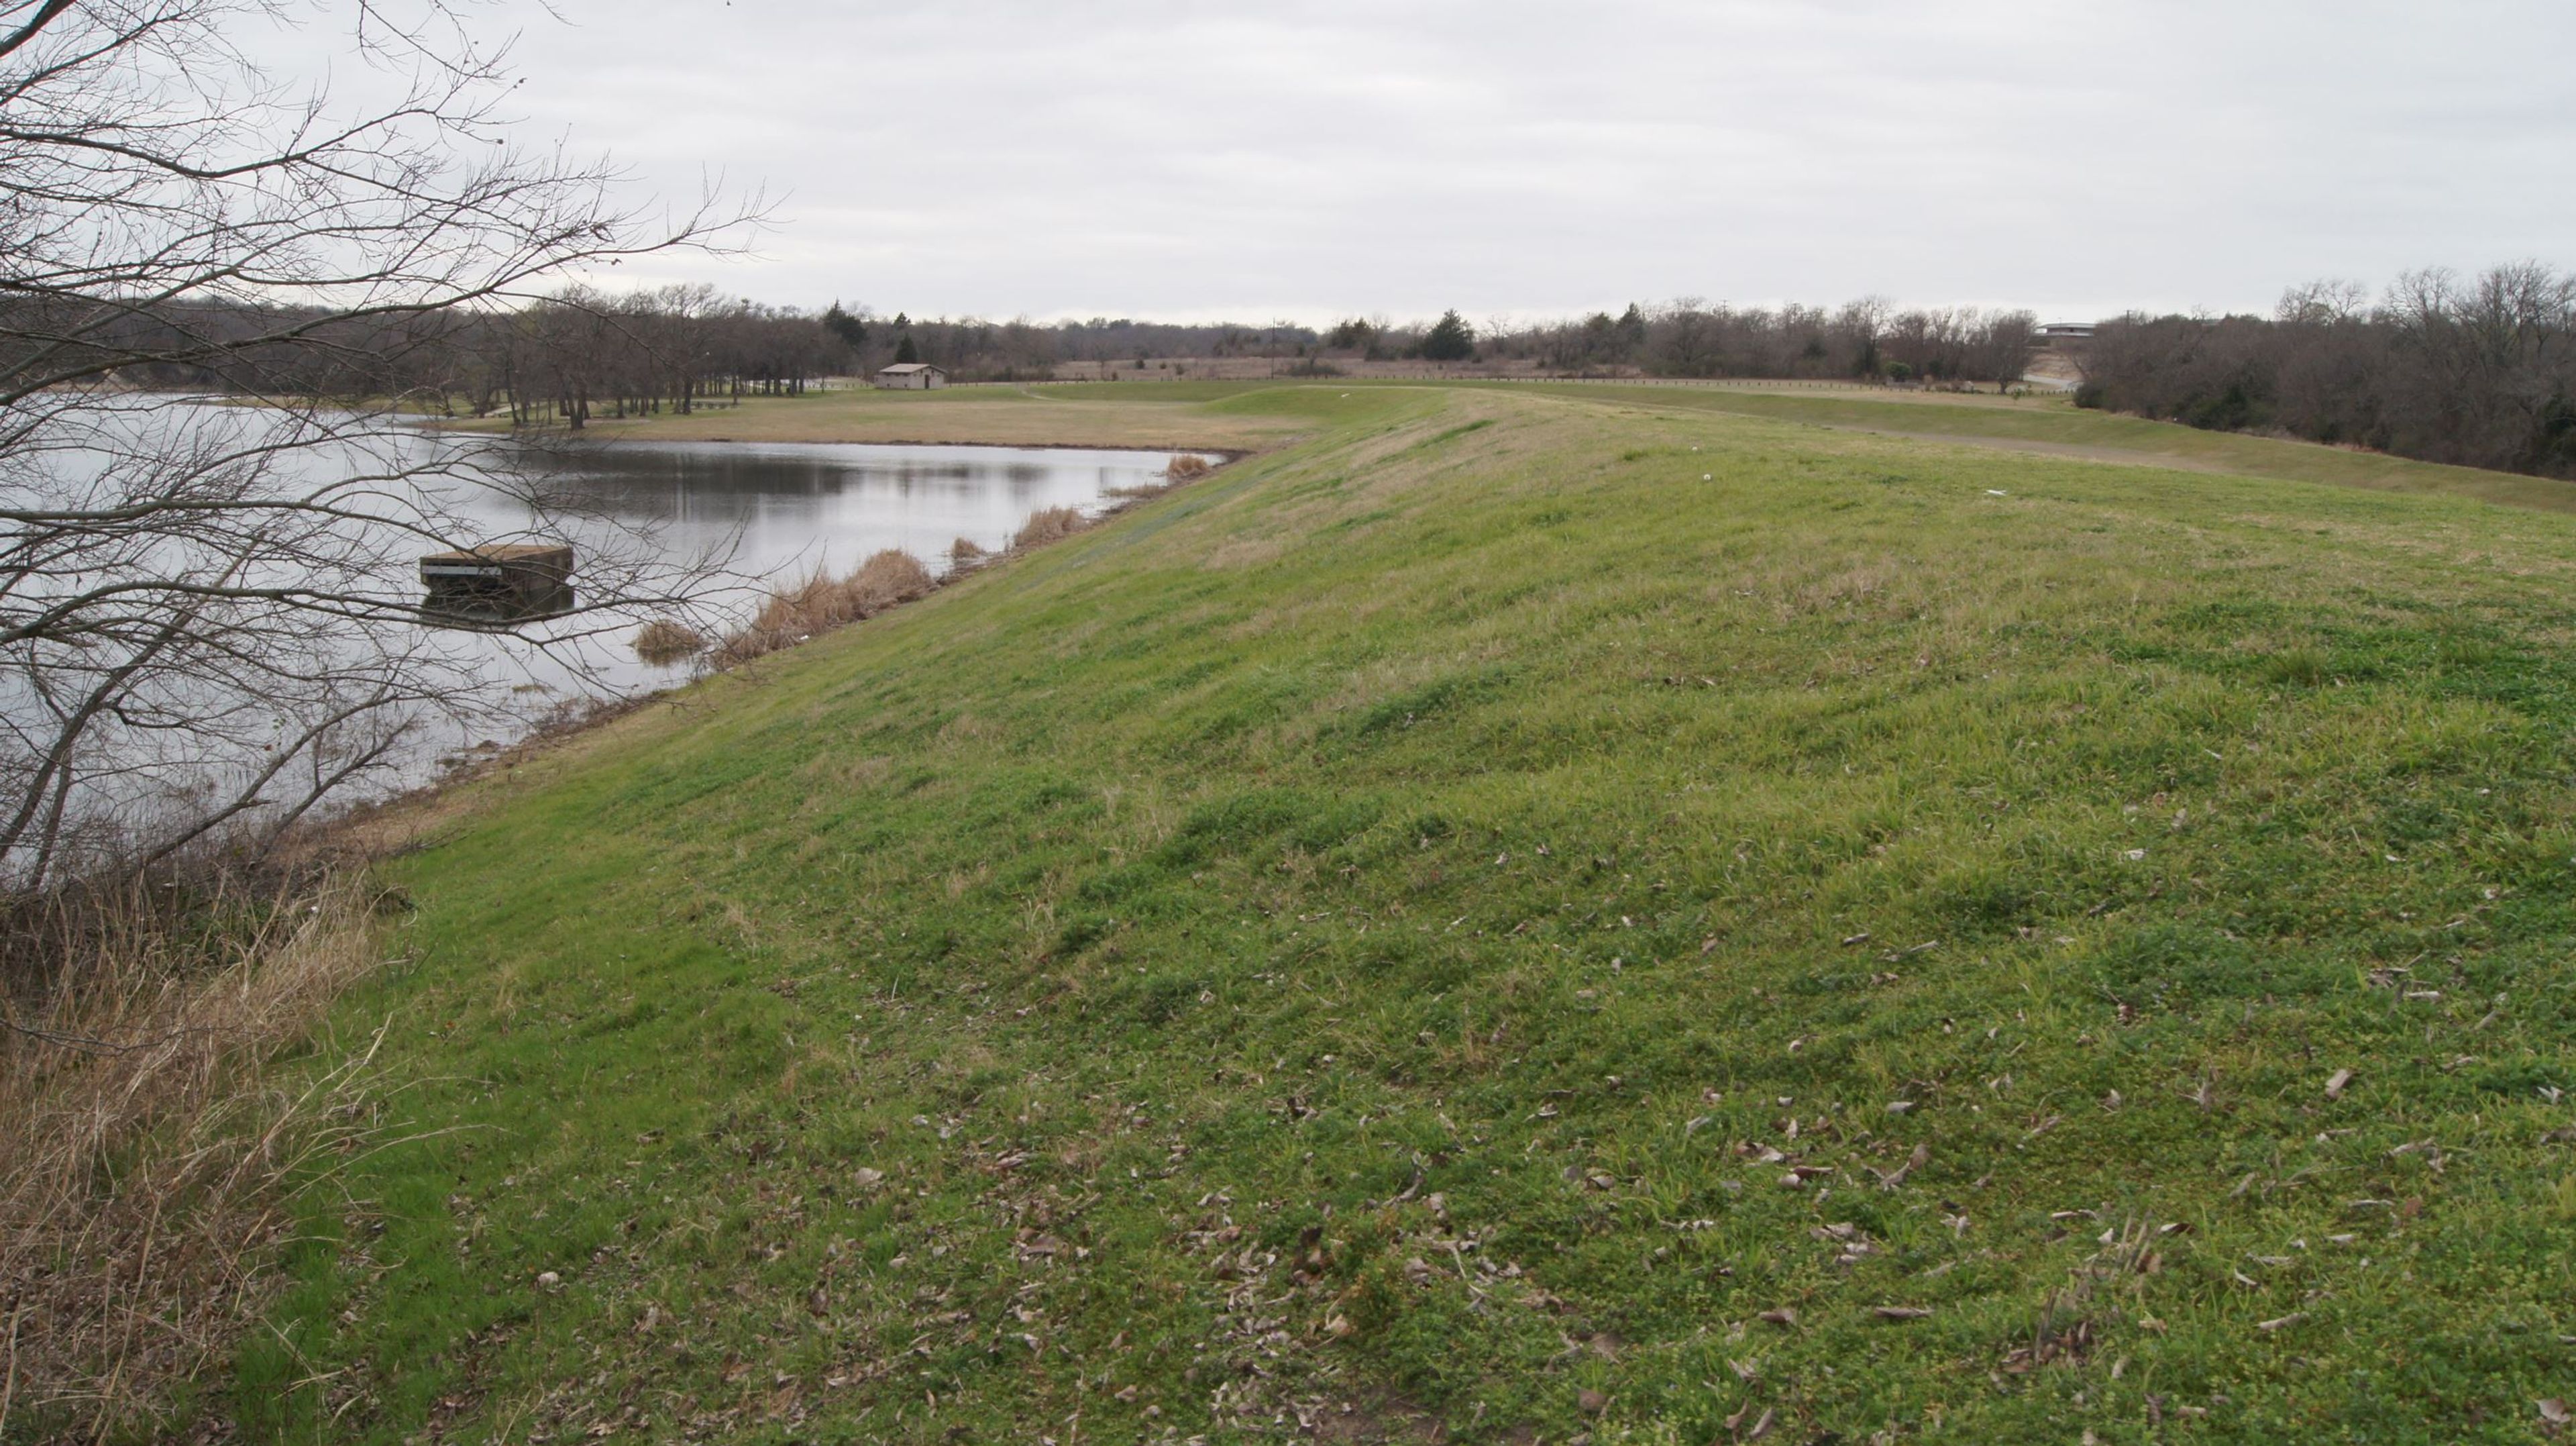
x,y
585,353
974,349
579,354
2480,372
1865,340
1870,339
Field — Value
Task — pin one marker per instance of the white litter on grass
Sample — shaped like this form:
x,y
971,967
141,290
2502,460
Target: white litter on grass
x,y
1707,476
1996,492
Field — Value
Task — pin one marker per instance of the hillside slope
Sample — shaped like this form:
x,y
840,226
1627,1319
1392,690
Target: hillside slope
x,y
1523,915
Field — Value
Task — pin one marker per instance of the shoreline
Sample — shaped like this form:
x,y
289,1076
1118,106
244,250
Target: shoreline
x,y
548,736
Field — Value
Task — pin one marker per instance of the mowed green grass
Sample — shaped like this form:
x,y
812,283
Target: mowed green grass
x,y
2055,422
1258,415
1522,915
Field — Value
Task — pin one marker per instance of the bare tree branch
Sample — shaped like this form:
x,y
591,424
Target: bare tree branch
x,y
44,16
214,290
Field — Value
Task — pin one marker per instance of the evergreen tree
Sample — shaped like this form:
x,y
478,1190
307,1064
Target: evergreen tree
x,y
1632,331
1451,339
905,351
852,331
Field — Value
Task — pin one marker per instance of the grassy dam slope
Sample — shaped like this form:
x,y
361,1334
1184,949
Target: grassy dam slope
x,y
1516,914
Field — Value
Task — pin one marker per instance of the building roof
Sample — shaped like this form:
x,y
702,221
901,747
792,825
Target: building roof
x,y
907,367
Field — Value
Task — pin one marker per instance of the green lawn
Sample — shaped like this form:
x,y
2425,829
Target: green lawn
x,y
2055,422
1536,913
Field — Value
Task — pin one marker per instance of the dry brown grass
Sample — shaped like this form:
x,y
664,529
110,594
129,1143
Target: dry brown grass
x,y
890,577
665,641
1047,524
1184,468
149,1152
819,603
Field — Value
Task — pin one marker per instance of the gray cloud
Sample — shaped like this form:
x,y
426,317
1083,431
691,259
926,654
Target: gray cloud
x,y
1310,158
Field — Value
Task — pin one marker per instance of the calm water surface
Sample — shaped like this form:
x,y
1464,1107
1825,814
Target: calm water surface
x,y
797,506
786,509
769,511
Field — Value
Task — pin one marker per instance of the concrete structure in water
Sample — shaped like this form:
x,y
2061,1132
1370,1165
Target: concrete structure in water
x,y
498,583
911,377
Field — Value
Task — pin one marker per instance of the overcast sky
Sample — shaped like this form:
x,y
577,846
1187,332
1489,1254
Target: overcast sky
x,y
1310,159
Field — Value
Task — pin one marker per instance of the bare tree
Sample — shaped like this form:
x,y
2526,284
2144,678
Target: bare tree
x,y
2480,372
1999,347
207,616
1688,339
1862,325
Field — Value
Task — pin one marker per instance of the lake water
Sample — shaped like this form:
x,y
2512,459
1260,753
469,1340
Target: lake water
x,y
797,506
751,514
393,691
786,509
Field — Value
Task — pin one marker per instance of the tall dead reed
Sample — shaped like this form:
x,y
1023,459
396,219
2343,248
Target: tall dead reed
x,y
665,641
149,1149
1047,524
1185,467
818,603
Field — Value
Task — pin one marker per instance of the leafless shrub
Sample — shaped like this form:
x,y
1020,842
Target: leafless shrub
x,y
1047,524
964,553
1186,467
148,1042
663,642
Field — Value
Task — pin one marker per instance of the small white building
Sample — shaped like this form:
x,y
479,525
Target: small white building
x,y
911,377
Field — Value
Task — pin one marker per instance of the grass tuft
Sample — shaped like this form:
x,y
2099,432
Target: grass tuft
x,y
1047,524
665,641
2296,668
887,579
